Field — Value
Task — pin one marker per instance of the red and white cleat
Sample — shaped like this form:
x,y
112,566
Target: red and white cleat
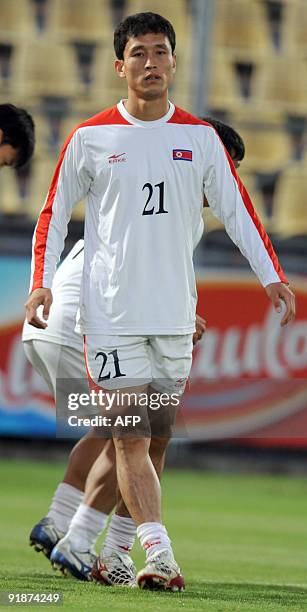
x,y
161,573
114,570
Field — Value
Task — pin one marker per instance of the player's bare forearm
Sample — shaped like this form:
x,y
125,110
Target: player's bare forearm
x,y
37,298
278,292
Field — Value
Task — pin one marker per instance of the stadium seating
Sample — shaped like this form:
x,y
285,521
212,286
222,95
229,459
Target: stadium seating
x,y
51,132
294,31
221,71
291,202
43,170
174,10
42,63
266,149
11,202
80,19
283,83
107,87
241,25
46,69
16,21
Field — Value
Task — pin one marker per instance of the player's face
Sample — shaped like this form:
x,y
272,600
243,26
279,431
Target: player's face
x,y
149,65
8,155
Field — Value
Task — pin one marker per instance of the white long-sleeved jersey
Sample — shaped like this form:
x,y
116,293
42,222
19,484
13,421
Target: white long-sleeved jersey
x,y
66,293
143,182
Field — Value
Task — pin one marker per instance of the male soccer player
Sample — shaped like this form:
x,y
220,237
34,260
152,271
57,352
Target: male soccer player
x,y
58,351
16,136
143,167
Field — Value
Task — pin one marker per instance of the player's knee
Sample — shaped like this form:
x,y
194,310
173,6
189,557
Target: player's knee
x,y
131,449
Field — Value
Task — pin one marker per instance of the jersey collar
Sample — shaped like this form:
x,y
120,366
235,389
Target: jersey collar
x,y
146,124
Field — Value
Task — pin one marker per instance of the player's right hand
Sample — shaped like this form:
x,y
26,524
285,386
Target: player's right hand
x,y
278,292
37,298
200,326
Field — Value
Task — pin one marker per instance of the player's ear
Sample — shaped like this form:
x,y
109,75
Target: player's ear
x,y
1,136
120,68
174,62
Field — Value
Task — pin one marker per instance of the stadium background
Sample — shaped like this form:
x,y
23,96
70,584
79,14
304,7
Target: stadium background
x,y
243,61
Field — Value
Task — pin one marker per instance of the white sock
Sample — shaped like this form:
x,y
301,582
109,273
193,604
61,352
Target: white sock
x,y
85,527
64,504
153,538
120,535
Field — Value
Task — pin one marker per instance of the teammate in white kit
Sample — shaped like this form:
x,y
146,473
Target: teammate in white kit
x,y
53,352
58,352
143,167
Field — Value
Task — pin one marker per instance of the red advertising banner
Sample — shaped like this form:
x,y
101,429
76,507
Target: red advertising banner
x,y
248,380
249,375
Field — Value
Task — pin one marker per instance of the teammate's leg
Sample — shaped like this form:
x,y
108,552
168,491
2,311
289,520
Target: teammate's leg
x,y
82,458
49,359
75,553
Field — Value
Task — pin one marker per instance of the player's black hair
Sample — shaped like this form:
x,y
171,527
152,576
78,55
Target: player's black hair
x,y
140,24
230,138
18,131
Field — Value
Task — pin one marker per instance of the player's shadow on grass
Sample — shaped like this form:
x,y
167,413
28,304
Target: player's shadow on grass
x,y
249,592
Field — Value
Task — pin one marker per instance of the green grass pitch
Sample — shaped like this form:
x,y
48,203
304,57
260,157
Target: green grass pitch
x,y
240,540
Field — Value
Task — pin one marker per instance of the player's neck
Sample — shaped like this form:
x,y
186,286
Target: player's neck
x,y
146,110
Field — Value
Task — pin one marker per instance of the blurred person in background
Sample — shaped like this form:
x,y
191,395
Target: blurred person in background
x,y
138,287
58,352
17,136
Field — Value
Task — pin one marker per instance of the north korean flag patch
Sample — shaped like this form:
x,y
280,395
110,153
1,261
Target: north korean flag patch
x,y
182,154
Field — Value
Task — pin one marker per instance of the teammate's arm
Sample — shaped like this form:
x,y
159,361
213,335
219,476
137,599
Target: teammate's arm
x,y
70,184
231,204
37,298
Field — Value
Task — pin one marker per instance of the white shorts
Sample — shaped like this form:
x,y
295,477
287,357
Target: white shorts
x,y
118,362
53,361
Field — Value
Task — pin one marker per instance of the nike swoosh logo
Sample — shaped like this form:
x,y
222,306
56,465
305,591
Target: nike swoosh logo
x,y
116,156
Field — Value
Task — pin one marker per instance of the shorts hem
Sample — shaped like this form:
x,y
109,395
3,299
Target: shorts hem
x,y
137,332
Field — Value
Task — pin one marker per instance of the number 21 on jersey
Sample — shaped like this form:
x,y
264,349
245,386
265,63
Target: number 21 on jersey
x,y
155,209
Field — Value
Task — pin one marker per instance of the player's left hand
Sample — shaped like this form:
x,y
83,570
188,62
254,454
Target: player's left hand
x,y
200,325
277,292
